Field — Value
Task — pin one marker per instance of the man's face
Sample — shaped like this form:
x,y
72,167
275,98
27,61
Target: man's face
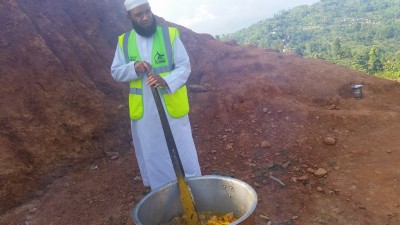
x,y
143,20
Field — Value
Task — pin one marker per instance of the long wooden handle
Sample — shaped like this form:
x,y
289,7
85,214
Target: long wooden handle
x,y
186,196
173,152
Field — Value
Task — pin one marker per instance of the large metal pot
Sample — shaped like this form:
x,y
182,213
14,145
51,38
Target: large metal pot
x,y
217,194
357,91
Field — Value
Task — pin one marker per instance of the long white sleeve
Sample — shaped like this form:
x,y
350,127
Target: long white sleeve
x,y
178,77
120,71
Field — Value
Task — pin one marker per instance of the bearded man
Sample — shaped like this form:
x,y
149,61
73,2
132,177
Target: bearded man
x,y
153,56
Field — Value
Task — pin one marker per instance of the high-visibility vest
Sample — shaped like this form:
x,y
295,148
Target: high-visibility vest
x,y
177,104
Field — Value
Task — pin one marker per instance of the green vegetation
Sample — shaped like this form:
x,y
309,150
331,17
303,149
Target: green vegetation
x,y
359,34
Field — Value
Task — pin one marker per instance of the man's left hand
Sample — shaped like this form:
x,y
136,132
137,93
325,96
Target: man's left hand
x,y
155,81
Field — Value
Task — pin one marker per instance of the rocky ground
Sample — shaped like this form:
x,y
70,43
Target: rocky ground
x,y
290,127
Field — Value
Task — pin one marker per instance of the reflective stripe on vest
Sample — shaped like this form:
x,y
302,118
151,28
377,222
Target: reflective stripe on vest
x,y
177,104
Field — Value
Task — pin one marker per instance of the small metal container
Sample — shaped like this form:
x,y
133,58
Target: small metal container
x,y
216,194
357,91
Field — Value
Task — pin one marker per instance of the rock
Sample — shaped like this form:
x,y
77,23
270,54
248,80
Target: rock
x,y
264,217
266,144
112,155
320,172
320,189
310,170
329,141
269,164
303,178
78,149
285,164
94,167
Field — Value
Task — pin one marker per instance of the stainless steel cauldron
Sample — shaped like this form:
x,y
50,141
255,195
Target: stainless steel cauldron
x,y
357,91
217,194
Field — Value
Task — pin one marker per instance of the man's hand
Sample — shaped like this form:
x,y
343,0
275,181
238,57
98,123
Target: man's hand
x,y
155,81
142,66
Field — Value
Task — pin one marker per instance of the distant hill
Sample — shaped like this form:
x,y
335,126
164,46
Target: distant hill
x,y
360,34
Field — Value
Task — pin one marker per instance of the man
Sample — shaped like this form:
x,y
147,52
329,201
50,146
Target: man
x,y
151,56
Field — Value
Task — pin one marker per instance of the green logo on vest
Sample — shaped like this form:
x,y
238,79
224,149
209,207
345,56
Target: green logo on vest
x,y
132,58
159,58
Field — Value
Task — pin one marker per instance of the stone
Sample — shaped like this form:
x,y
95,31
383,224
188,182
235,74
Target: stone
x,y
266,144
320,172
329,141
303,178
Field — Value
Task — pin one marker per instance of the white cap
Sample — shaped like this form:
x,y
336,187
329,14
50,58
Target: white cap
x,y
130,4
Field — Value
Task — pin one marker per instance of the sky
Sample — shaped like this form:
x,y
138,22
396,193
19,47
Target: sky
x,y
218,17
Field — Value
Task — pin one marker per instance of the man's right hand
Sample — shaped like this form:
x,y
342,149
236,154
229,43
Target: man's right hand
x,y
142,66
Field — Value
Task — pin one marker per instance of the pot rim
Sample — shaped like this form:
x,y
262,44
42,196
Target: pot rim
x,y
357,86
239,220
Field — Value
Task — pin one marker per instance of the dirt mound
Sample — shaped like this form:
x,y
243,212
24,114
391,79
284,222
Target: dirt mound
x,y
288,126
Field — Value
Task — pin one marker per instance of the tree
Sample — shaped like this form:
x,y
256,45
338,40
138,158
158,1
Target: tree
x,y
336,49
360,61
374,62
391,67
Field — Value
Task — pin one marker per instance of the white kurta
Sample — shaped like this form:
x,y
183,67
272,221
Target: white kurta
x,y
148,137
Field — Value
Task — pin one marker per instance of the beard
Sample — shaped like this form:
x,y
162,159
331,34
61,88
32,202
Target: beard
x,y
145,31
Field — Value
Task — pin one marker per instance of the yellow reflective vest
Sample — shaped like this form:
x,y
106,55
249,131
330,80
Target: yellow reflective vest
x,y
177,103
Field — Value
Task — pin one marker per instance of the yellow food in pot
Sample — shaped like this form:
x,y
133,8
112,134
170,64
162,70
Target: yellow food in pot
x,y
206,219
